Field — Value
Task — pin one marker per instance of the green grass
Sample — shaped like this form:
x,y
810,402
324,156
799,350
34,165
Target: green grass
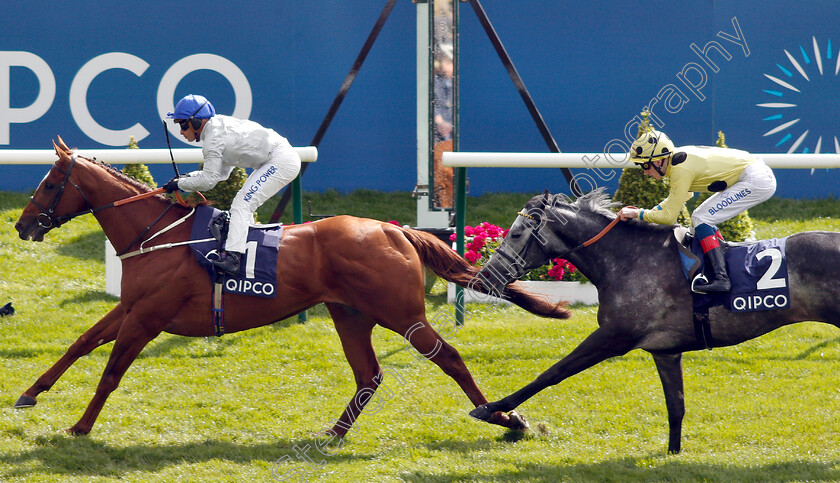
x,y
229,409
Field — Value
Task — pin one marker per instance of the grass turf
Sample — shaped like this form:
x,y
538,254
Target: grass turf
x,y
245,406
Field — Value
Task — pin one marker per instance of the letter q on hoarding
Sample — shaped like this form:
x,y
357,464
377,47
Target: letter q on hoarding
x,y
90,71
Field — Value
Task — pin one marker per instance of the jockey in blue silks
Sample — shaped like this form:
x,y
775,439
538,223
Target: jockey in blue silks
x,y
230,142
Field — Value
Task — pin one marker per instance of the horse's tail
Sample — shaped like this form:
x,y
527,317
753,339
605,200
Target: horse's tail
x,y
439,257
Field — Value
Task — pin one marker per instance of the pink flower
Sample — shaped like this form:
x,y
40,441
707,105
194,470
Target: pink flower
x,y
556,272
472,256
494,231
477,244
452,237
394,222
565,264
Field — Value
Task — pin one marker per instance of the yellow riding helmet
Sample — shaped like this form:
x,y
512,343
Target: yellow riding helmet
x,y
650,146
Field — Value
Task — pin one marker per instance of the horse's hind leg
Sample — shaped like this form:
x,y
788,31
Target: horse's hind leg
x,y
102,332
670,371
430,344
354,329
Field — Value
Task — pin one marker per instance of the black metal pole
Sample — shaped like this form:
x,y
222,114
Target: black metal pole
x,y
523,91
339,98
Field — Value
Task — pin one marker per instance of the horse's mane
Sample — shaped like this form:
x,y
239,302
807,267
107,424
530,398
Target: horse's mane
x,y
142,187
596,201
124,178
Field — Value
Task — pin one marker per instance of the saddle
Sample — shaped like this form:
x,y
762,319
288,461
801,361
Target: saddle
x,y
258,269
757,270
258,272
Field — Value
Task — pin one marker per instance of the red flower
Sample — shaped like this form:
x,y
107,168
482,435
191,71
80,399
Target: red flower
x,y
472,256
494,231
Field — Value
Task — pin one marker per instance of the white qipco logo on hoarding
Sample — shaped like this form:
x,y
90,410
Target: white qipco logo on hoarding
x,y
85,76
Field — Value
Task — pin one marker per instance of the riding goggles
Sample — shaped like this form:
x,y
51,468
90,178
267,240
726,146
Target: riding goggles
x,y
184,123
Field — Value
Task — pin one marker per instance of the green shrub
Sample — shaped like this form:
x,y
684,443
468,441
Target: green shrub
x,y
222,194
140,172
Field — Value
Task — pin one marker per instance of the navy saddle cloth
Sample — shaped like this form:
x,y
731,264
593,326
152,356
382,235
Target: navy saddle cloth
x,y
258,267
757,270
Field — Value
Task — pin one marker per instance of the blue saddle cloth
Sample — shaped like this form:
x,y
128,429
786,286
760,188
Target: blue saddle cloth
x,y
258,267
757,270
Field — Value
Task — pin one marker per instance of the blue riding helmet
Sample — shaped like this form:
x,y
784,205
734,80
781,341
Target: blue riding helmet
x,y
193,106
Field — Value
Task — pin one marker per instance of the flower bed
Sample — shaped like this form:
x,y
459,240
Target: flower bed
x,y
481,242
559,279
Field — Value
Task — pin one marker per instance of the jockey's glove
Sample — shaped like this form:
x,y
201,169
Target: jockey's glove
x,y
171,185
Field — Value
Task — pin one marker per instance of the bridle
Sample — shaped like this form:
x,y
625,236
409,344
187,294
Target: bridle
x,y
46,218
568,252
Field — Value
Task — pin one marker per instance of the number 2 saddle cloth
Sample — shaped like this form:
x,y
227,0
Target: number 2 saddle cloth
x,y
757,270
258,267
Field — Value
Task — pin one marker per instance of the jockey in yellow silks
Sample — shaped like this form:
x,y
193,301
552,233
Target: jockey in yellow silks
x,y
738,180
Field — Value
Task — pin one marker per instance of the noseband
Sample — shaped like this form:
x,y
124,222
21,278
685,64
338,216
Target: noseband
x,y
46,218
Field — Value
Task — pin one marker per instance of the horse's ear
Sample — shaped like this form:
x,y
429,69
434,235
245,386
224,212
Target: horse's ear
x,y
58,150
545,196
62,145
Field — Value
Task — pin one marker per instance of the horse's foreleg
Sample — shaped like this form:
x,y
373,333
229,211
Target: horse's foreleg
x,y
131,339
670,371
102,332
598,347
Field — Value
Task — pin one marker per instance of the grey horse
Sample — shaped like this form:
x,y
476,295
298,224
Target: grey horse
x,y
640,258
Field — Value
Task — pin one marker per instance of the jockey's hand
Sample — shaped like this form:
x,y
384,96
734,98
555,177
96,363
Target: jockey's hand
x,y
628,213
171,185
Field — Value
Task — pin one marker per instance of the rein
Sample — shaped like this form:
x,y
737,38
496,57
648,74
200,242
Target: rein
x,y
46,218
587,242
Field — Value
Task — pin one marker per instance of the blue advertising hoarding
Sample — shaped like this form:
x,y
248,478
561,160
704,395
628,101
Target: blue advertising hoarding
x,y
765,73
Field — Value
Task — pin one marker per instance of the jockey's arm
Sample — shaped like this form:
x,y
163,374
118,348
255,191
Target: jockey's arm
x,y
668,210
211,174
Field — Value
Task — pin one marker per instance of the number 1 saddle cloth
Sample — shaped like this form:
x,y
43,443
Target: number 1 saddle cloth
x,y
258,267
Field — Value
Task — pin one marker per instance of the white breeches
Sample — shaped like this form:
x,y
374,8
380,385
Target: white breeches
x,y
755,185
263,183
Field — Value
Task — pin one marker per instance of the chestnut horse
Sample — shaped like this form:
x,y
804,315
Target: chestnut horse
x,y
366,272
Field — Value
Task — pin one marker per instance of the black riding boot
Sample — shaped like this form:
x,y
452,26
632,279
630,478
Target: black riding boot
x,y
229,263
721,280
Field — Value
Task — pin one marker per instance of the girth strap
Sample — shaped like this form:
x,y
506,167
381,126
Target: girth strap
x,y
702,328
218,310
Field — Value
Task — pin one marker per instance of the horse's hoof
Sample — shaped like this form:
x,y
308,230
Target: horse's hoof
x,y
74,431
482,412
25,402
518,422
